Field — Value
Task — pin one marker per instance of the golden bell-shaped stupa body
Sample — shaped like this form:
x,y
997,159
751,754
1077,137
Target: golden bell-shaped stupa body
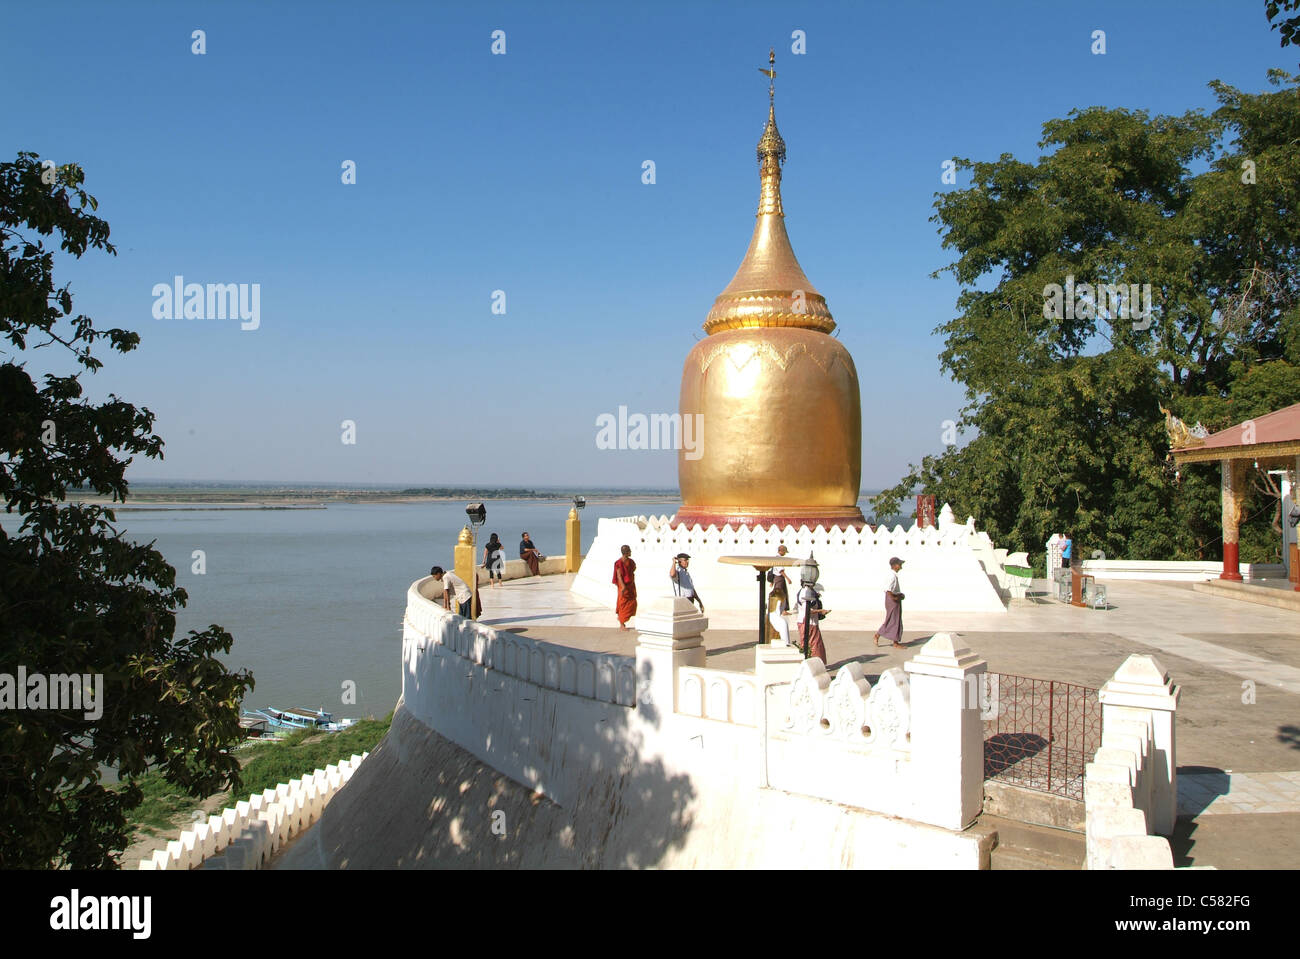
x,y
780,428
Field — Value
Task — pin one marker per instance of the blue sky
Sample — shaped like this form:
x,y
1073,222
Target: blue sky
x,y
478,172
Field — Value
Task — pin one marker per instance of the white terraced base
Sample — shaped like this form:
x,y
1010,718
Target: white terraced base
x,y
950,568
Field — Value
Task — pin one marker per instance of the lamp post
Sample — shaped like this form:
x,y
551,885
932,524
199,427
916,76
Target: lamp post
x,y
477,514
809,573
573,536
762,564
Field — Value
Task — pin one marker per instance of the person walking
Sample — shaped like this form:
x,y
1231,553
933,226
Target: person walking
x,y
625,580
453,585
494,559
809,619
892,627
682,582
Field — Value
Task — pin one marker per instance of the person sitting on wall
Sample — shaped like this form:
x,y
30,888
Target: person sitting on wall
x,y
682,583
451,583
530,555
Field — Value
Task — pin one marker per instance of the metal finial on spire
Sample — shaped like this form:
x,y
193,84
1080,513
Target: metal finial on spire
x,y
770,73
771,148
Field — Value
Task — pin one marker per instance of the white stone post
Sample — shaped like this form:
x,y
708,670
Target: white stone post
x,y
1055,545
947,733
671,635
1141,692
1288,501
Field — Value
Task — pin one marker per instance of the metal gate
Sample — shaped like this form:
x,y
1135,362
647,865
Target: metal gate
x,y
1039,733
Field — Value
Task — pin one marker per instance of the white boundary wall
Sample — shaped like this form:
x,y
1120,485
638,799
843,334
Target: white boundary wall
x,y
947,568
1130,790
608,736
1186,571
248,834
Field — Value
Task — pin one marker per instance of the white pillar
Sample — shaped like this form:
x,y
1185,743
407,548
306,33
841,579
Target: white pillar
x,y
947,732
1055,545
1288,502
671,635
1141,691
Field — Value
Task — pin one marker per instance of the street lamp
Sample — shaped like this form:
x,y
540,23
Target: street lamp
x,y
477,514
809,571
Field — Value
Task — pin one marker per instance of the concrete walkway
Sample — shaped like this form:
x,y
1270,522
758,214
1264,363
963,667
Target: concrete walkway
x,y
1238,665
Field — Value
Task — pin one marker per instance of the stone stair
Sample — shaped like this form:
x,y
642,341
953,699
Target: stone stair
x,y
1277,595
1024,846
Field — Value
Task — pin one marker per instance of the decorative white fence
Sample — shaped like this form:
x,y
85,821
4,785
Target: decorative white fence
x,y
1130,788
847,708
719,694
948,567
248,834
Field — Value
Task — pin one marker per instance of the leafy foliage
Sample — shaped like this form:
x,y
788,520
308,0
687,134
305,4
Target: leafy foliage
x,y
306,751
75,596
1064,404
1288,27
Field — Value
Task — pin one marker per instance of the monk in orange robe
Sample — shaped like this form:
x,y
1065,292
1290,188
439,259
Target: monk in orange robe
x,y
625,580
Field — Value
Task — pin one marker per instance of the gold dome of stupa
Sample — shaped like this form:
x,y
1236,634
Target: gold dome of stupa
x,y
781,417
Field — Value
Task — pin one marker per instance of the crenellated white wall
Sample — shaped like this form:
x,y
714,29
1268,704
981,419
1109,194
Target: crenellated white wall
x,y
945,568
248,834
669,740
1130,788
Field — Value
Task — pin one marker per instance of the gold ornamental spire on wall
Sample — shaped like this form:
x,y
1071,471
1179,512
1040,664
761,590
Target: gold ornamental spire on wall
x,y
770,288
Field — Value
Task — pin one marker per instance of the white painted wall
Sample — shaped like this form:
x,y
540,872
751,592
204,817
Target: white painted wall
x,y
944,569
1130,790
631,760
1187,571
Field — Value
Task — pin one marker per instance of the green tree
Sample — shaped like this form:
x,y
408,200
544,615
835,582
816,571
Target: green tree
x,y
1288,27
1063,392
75,595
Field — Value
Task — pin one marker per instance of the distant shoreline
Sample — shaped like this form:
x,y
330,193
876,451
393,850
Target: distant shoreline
x,y
209,499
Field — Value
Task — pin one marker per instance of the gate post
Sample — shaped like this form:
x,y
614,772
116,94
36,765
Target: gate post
x,y
947,733
1141,692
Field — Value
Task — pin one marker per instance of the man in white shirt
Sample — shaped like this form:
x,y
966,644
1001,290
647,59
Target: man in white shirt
x,y
681,577
451,583
892,627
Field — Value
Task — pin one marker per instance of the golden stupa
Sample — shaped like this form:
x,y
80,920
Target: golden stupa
x,y
781,414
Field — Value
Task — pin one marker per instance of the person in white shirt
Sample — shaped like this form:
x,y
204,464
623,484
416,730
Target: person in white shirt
x,y
681,577
451,583
892,627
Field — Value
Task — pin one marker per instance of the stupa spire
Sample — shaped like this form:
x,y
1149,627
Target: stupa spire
x,y
770,288
771,149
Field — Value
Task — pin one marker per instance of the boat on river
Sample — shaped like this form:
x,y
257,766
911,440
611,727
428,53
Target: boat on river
x,y
290,720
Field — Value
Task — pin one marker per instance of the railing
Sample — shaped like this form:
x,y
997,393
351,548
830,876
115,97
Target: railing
x,y
605,677
716,694
1040,733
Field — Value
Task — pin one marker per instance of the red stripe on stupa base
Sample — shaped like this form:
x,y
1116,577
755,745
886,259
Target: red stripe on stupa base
x,y
779,517
1231,562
